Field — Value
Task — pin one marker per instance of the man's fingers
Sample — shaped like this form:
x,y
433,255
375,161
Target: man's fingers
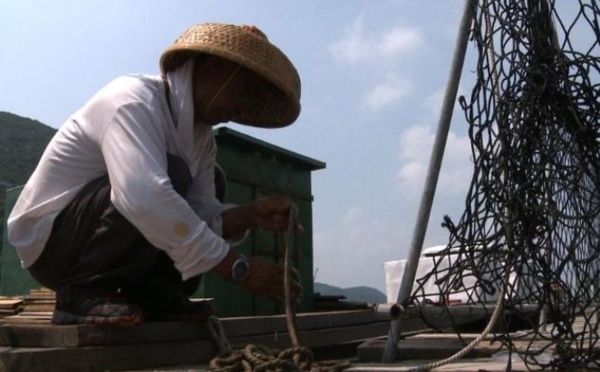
x,y
268,281
293,272
277,288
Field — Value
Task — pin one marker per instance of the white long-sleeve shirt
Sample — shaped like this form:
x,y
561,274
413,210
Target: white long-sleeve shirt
x,y
125,131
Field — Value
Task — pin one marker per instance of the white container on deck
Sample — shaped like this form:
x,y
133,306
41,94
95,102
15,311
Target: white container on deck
x,y
469,292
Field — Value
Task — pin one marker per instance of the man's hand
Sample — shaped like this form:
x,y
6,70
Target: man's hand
x,y
266,280
271,212
274,213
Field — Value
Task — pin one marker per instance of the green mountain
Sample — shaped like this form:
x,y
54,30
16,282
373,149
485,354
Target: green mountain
x,y
22,142
358,294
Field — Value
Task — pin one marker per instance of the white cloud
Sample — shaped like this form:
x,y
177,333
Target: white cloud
x,y
410,173
414,143
387,93
415,151
354,214
433,103
352,47
399,40
356,47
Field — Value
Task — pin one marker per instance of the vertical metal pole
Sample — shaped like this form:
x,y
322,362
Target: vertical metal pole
x,y
435,163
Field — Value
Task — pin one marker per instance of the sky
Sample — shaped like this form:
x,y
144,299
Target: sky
x,y
373,78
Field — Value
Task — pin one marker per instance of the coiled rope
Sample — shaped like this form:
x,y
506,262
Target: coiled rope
x,y
257,358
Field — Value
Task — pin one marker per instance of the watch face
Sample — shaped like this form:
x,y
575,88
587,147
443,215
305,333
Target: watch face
x,y
240,270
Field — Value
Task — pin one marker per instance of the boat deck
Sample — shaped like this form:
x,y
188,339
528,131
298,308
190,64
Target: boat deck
x,y
28,342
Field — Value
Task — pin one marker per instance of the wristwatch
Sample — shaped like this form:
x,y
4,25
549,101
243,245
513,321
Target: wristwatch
x,y
240,270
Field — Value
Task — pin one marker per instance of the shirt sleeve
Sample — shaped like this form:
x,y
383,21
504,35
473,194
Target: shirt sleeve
x,y
202,194
134,149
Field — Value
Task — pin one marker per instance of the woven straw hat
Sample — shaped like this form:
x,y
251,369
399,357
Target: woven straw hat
x,y
279,102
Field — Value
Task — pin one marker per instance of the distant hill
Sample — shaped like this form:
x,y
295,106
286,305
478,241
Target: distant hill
x,y
359,294
22,142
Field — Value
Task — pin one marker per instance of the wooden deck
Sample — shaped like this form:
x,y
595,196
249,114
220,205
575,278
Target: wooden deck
x,y
31,343
28,342
425,348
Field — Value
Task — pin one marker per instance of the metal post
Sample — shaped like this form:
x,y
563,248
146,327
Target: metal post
x,y
437,154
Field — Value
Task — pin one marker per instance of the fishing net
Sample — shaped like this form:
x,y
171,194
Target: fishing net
x,y
530,232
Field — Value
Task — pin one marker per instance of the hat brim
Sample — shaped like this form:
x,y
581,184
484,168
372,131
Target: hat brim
x,y
281,106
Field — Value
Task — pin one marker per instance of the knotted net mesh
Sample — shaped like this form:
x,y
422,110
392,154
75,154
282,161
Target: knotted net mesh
x,y
530,231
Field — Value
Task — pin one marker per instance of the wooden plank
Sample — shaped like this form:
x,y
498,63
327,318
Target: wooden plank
x,y
305,321
272,323
14,320
437,316
103,358
36,307
8,312
41,301
155,354
372,350
471,365
48,335
434,337
37,314
315,338
27,335
10,303
439,348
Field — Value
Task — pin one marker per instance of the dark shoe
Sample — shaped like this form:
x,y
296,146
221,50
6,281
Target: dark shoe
x,y
183,310
97,311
